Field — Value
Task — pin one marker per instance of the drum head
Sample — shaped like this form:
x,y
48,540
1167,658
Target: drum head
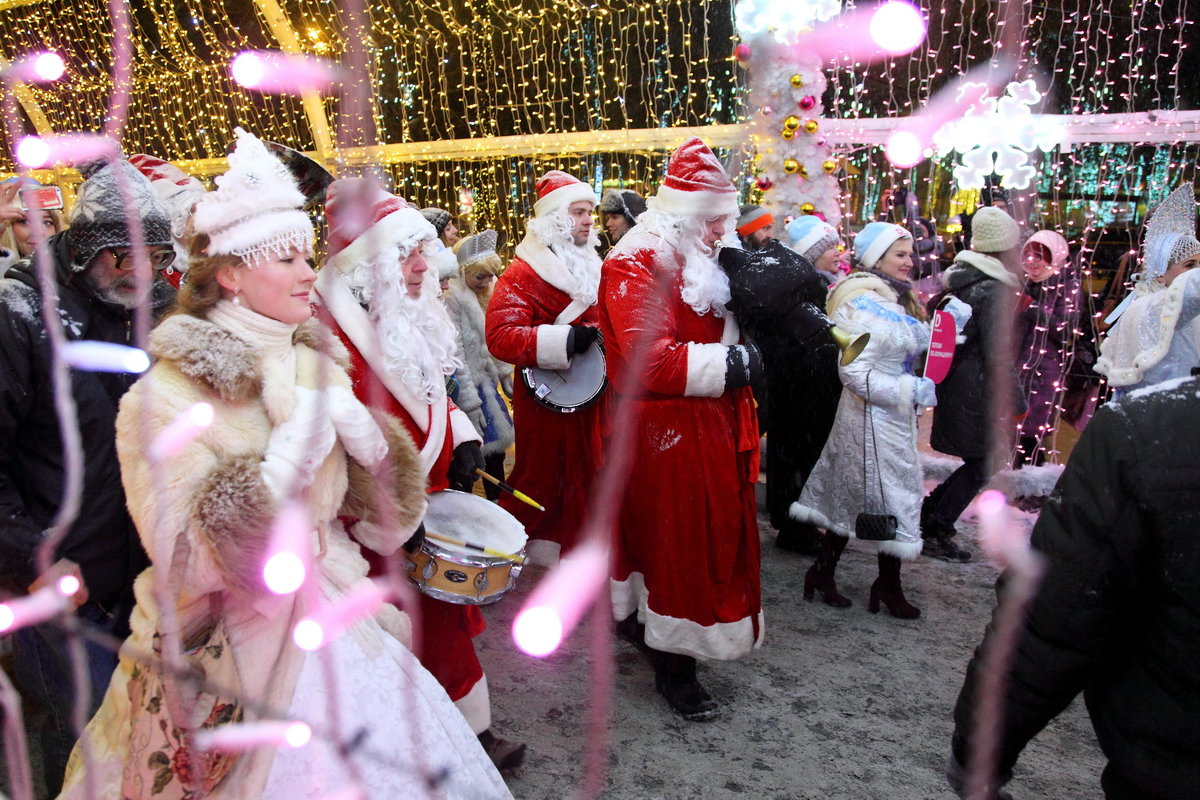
x,y
573,388
471,518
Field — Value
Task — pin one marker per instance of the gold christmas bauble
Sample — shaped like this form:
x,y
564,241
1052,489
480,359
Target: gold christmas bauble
x,y
792,122
830,167
791,166
811,126
796,80
787,134
803,171
808,208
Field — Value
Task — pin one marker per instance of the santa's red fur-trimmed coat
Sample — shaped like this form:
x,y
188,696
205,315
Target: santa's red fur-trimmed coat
x,y
687,550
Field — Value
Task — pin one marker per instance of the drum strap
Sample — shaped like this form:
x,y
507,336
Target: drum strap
x,y
353,320
571,313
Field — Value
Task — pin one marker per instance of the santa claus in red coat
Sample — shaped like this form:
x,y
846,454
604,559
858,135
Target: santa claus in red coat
x,y
378,295
542,312
686,562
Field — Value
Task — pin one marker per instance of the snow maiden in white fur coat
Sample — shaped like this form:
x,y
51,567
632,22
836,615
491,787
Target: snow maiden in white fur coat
x,y
870,462
479,385
285,425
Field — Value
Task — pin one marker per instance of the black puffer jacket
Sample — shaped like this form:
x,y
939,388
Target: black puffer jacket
x,y
1117,614
963,417
767,287
103,540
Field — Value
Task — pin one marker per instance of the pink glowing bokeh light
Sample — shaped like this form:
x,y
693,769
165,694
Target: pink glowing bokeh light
x,y
284,573
538,631
69,585
33,152
286,568
48,66
91,355
176,436
332,619
560,600
65,148
898,27
904,149
276,72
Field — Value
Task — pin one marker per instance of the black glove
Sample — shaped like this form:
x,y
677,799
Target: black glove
x,y
743,365
580,338
467,458
415,540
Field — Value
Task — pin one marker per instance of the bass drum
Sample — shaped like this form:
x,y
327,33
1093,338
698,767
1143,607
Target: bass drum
x,y
572,389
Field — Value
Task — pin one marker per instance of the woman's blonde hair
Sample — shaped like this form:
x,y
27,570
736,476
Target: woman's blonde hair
x,y
200,290
8,239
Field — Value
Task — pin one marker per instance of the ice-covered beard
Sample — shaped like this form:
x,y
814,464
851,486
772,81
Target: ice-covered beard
x,y
415,333
581,260
705,285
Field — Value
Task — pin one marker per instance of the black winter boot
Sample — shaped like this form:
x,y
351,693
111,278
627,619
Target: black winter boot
x,y
798,537
820,575
887,590
675,679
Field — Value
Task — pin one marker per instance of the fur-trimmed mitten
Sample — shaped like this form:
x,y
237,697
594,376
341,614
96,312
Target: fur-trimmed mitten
x,y
298,447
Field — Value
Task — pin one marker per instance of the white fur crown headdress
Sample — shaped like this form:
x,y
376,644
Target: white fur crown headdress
x,y
256,210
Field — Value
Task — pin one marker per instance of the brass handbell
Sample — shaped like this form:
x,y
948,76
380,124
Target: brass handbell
x,y
850,344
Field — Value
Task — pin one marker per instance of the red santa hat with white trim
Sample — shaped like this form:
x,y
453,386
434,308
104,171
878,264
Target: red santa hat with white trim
x,y
556,190
696,184
364,220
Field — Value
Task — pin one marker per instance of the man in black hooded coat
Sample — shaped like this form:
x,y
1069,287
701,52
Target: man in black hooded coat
x,y
775,292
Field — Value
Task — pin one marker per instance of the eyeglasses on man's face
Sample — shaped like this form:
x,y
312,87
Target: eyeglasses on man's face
x,y
160,257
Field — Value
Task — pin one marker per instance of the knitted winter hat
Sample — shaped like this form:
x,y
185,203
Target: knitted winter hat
x,y
255,212
993,231
1053,241
557,190
179,192
753,218
477,254
626,202
442,259
1171,233
874,240
99,219
811,236
696,184
438,218
364,220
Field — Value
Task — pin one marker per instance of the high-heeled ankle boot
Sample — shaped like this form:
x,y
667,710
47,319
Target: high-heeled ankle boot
x,y
887,590
675,679
820,575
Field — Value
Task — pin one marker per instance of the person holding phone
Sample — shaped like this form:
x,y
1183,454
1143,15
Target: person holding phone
x,y
20,200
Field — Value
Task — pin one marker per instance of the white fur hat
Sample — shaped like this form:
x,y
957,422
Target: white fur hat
x,y
256,210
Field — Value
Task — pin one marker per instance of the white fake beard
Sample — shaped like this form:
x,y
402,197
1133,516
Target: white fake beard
x,y
581,260
416,335
705,285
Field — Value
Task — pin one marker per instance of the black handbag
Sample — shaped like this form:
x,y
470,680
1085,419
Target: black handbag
x,y
870,526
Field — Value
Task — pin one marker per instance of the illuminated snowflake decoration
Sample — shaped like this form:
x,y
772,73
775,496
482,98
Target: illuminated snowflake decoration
x,y
782,18
997,135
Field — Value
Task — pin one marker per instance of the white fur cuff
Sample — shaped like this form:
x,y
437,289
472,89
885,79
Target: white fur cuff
x,y
705,370
552,346
476,706
461,428
695,204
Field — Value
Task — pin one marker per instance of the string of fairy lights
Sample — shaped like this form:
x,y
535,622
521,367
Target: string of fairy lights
x,y
472,70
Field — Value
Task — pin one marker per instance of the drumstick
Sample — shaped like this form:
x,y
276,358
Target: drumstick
x,y
524,498
476,547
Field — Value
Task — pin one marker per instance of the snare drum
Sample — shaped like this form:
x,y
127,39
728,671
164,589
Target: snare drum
x,y
457,574
571,389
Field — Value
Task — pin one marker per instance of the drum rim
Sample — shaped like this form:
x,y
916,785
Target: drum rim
x,y
527,372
